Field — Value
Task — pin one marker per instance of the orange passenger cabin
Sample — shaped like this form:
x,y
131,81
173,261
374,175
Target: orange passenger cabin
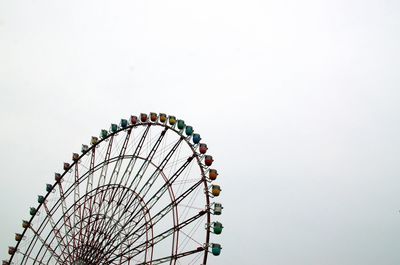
x,y
215,190
213,174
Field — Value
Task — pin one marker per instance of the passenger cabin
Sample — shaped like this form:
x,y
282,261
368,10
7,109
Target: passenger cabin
x,y
203,149
57,177
124,123
217,228
189,130
218,208
25,224
172,120
208,160
196,138
32,211
40,199
75,157
153,116
143,117
215,190
11,250
114,127
163,117
181,124
216,249
103,133
213,174
85,148
94,140
134,119
18,237
66,166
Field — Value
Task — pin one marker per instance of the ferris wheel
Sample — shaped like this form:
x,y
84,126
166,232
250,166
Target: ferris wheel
x,y
140,193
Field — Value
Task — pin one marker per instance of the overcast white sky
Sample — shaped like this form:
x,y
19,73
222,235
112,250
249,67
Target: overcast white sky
x,y
297,100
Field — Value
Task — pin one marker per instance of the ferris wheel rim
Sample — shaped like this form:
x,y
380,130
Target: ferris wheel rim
x,y
131,127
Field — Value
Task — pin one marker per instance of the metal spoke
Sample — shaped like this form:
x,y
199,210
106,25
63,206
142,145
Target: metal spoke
x,y
157,217
169,258
158,238
57,234
101,225
47,246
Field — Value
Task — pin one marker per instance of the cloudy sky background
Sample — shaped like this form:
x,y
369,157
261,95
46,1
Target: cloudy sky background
x,y
297,100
